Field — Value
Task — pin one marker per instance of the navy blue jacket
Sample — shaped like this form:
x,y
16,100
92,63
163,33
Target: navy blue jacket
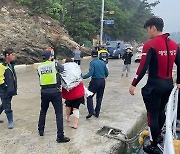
x,y
9,88
97,70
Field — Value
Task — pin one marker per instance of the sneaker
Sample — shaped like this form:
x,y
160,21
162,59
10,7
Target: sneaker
x,y
63,140
151,149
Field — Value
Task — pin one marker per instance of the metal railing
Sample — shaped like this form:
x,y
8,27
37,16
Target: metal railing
x,y
171,116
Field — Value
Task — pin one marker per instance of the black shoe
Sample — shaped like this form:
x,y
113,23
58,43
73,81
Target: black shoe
x,y
96,115
88,116
63,140
160,139
41,133
151,149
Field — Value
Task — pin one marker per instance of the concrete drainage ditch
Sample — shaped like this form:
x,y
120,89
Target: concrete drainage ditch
x,y
128,143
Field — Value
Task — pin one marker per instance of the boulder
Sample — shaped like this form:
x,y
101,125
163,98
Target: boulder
x,y
30,35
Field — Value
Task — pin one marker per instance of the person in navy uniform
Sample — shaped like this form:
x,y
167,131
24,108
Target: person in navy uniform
x,y
98,73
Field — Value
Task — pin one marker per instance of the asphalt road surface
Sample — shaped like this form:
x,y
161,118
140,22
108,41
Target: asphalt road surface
x,y
119,110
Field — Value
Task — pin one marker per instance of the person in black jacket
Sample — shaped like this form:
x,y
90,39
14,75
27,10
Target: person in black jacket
x,y
8,85
127,61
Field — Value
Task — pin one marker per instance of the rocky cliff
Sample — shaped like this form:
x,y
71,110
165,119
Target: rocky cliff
x,y
29,35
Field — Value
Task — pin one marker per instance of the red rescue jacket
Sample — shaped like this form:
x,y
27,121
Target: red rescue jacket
x,y
75,93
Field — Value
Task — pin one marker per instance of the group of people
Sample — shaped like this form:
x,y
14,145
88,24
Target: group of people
x,y
50,75
158,56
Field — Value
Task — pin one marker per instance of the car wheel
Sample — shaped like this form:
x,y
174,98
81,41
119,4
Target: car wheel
x,y
137,60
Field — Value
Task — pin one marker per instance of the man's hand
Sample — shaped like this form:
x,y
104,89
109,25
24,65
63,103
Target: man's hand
x,y
132,90
178,85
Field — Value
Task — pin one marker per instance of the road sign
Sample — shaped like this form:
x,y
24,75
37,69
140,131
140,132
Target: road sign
x,y
109,22
111,12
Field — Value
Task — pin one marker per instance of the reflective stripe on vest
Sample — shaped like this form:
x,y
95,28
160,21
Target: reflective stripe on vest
x,y
47,72
2,71
102,51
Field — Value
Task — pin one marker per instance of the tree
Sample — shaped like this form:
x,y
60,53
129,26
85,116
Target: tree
x,y
82,17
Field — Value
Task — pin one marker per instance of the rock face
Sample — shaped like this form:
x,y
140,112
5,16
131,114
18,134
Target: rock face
x,y
29,35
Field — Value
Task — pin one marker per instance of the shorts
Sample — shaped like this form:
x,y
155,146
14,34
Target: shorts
x,y
78,62
75,103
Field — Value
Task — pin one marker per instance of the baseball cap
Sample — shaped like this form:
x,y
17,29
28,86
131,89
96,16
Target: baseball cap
x,y
94,53
46,54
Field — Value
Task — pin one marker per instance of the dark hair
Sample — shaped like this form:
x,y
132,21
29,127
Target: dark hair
x,y
155,21
68,60
102,47
94,53
128,48
8,52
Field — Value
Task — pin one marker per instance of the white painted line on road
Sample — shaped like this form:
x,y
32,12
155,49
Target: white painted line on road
x,y
87,57
20,66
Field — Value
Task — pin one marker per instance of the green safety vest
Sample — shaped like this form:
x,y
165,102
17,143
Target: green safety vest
x,y
2,71
47,72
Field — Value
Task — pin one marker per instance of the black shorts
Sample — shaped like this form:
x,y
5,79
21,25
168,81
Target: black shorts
x,y
75,103
78,62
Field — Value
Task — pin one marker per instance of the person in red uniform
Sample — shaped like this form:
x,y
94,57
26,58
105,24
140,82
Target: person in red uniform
x,y
159,55
74,98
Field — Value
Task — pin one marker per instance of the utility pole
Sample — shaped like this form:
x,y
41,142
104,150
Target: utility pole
x,y
102,23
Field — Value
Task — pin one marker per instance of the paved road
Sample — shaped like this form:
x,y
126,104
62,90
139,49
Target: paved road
x,y
119,110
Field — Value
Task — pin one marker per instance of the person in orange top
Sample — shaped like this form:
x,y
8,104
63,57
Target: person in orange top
x,y
49,48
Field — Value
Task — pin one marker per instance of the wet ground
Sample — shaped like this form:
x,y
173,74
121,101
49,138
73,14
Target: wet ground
x,y
119,110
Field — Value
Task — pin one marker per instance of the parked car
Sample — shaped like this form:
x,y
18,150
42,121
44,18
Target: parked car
x,y
116,49
138,54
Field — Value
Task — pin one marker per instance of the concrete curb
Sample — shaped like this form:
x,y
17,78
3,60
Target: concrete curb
x,y
35,65
121,148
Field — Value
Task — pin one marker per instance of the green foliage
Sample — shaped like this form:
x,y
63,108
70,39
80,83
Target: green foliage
x,y
24,1
82,17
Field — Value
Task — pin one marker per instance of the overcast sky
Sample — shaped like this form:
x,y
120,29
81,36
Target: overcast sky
x,y
169,10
